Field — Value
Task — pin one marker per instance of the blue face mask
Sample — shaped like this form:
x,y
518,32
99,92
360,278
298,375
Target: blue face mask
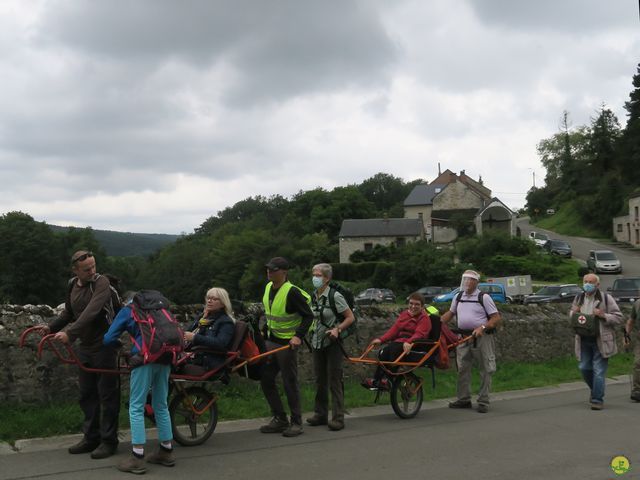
x,y
589,287
317,281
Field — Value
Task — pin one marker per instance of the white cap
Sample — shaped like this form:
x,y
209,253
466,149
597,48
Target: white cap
x,y
471,274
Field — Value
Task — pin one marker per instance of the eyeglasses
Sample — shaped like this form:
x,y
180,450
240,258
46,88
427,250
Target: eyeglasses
x,y
82,258
212,299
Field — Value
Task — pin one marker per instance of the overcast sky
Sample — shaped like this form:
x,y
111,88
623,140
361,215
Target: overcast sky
x,y
153,115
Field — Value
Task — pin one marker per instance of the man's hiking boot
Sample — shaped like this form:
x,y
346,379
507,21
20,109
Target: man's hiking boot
x,y
460,404
162,456
483,408
336,425
294,430
104,450
317,420
596,406
132,464
83,447
635,397
276,425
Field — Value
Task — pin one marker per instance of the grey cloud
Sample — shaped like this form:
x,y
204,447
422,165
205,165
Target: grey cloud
x,y
278,49
582,16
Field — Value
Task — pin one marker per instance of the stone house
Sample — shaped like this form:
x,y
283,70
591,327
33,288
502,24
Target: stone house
x,y
364,234
453,200
626,228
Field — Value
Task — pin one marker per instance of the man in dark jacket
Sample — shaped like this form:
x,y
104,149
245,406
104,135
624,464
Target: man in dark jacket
x,y
86,316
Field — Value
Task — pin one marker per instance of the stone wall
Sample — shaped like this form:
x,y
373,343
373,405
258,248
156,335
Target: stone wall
x,y
528,334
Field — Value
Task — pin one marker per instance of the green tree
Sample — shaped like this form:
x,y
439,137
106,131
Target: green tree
x,y
30,262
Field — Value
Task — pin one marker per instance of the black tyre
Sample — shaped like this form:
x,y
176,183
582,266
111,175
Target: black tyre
x,y
406,395
194,416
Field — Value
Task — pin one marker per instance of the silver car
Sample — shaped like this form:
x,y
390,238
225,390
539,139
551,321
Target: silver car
x,y
603,261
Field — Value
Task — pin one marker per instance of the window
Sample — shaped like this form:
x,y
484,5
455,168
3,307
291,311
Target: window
x,y
619,227
400,241
636,210
368,247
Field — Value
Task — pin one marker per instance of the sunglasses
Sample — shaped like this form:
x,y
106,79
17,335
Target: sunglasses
x,y
82,258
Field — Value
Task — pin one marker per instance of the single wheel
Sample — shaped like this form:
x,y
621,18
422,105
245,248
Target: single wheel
x,y
194,416
406,395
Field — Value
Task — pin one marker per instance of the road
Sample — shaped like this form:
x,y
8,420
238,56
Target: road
x,y
581,246
534,434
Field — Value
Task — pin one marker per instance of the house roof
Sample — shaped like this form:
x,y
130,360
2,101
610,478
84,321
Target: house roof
x,y
492,203
423,194
381,227
448,176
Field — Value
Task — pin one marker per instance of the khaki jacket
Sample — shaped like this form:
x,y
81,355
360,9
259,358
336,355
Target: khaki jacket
x,y
606,341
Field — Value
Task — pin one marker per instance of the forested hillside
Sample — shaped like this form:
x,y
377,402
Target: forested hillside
x,y
593,168
126,244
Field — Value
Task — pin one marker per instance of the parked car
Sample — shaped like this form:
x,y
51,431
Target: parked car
x,y
539,238
603,261
496,290
388,295
430,292
370,296
554,294
558,247
625,289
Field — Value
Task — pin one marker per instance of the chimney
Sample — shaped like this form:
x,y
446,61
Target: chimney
x,y
439,172
461,172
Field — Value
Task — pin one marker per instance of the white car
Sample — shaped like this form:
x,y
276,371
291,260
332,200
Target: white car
x,y
539,238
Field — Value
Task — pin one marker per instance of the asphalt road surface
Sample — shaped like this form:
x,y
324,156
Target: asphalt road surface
x,y
530,435
580,246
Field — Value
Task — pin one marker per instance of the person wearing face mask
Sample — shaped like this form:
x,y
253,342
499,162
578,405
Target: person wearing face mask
x,y
593,352
411,326
327,355
478,316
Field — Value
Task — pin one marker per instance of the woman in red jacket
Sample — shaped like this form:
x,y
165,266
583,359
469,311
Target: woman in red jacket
x,y
411,325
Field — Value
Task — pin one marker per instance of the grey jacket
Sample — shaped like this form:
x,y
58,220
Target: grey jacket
x,y
606,341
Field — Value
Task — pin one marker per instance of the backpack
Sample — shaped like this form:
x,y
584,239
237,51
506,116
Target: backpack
x,y
479,300
253,344
110,308
350,299
160,332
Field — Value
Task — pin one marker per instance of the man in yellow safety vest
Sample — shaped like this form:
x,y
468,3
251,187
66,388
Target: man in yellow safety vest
x,y
289,316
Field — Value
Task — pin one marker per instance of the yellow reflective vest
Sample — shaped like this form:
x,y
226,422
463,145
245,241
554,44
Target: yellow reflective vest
x,y
280,323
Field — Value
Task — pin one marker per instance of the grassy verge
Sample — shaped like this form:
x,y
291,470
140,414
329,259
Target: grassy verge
x,y
243,398
567,222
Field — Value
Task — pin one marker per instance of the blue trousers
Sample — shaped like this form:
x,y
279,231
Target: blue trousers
x,y
593,368
153,377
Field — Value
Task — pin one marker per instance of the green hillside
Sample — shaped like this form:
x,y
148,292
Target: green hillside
x,y
126,244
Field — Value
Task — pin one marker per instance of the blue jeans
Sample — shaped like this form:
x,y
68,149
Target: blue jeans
x,y
153,376
593,367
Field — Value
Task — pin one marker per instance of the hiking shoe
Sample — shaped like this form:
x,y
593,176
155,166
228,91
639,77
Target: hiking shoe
x,y
384,384
132,464
162,456
317,420
596,406
276,425
104,450
294,430
460,404
336,425
83,447
635,397
482,408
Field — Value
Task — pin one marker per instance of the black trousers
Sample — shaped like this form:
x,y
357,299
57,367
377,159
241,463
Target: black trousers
x,y
327,364
390,352
99,396
285,362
